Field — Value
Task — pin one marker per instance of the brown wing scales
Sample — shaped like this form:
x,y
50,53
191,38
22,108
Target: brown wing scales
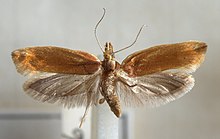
x,y
159,74
55,60
186,55
145,77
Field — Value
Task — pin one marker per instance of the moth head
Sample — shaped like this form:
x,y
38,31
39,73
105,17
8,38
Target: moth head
x,y
108,53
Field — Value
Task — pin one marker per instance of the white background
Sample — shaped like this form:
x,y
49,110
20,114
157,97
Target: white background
x,y
70,24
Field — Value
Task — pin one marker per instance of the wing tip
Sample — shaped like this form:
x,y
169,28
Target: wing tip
x,y
199,46
19,56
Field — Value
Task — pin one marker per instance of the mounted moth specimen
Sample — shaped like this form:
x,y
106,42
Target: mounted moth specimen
x,y
151,77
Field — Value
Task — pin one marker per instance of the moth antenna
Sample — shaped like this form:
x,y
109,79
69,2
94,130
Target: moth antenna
x,y
133,41
95,31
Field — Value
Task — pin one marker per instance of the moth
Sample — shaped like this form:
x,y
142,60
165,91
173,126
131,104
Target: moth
x,y
151,77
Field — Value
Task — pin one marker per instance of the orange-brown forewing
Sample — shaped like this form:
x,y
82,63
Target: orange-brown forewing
x,y
55,60
185,55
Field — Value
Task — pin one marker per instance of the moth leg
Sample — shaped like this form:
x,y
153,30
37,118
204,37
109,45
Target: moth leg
x,y
87,108
84,115
102,100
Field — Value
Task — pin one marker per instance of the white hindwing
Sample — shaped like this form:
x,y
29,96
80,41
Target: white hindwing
x,y
154,89
68,89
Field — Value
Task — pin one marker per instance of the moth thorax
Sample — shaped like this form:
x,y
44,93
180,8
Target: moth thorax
x,y
109,65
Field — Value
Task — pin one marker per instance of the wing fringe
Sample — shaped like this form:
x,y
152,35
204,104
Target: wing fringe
x,y
153,90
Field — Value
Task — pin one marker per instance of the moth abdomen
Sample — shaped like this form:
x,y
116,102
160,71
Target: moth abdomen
x,y
114,104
